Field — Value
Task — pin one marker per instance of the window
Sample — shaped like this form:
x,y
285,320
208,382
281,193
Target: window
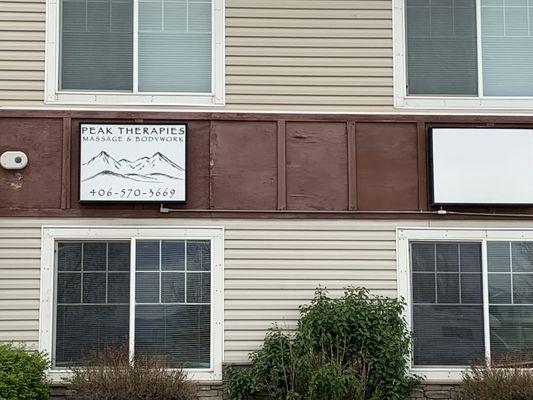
x,y
157,292
464,53
135,52
470,296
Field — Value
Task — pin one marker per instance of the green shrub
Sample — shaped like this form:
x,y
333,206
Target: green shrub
x,y
352,348
509,377
22,374
109,375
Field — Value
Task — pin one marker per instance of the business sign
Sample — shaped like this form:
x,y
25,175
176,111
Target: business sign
x,y
481,165
136,162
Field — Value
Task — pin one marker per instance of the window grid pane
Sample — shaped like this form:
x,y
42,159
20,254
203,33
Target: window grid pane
x,y
441,47
88,318
447,303
93,307
174,322
510,296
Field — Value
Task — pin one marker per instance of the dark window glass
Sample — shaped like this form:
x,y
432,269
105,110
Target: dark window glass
x,y
172,328
441,47
447,304
69,256
86,318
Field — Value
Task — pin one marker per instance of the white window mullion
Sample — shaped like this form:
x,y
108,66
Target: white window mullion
x,y
479,49
135,46
486,311
132,300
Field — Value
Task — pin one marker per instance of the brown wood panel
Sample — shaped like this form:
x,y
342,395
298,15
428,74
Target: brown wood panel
x,y
244,170
251,165
387,167
39,184
317,166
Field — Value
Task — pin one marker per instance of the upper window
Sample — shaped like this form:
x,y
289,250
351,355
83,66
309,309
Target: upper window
x,y
154,295
135,51
470,296
464,53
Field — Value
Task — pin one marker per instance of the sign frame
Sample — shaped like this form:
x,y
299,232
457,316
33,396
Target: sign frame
x,y
430,168
132,200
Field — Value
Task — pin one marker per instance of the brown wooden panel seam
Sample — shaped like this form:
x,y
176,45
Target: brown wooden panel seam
x,y
352,172
282,165
66,163
422,166
211,164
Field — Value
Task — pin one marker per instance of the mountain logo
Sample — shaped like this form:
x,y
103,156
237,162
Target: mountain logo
x,y
157,168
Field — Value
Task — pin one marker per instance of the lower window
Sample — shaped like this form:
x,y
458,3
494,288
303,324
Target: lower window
x,y
156,296
470,295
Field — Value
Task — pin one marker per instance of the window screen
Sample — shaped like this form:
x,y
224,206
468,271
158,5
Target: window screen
x,y
510,281
96,45
92,299
172,311
447,303
441,47
507,47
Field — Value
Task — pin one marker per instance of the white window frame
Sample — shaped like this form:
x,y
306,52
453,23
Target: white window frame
x,y
53,95
403,100
406,235
52,234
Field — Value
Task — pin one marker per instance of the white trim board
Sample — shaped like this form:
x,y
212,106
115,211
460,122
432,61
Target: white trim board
x,y
50,235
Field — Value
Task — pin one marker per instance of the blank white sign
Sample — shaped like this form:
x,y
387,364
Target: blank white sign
x,y
482,166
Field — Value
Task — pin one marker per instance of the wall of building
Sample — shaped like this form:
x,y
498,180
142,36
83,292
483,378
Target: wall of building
x,y
280,55
271,267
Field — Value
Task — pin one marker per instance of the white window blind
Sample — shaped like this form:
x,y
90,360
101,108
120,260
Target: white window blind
x,y
443,38
92,307
452,324
172,312
507,40
171,49
510,282
447,304
96,45
172,300
175,46
441,41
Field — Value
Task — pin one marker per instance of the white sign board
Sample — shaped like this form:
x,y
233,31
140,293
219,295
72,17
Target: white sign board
x,y
137,162
482,166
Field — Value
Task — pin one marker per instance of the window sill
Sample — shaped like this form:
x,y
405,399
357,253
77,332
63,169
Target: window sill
x,y
124,99
439,375
58,376
464,103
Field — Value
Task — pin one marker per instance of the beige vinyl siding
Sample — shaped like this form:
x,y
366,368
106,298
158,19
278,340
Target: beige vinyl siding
x,y
22,52
287,55
271,267
309,55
